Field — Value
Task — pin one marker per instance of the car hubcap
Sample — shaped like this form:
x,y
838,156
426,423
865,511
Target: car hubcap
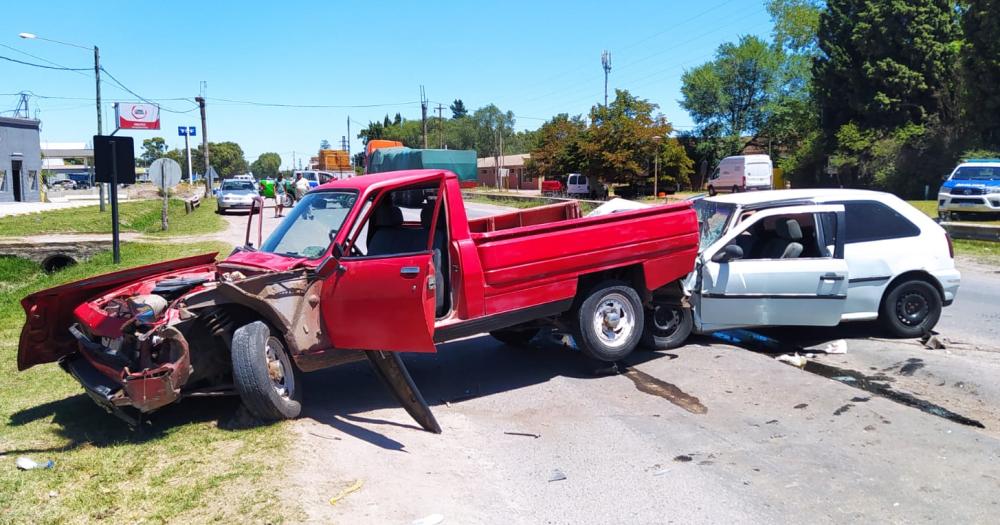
x,y
614,320
666,319
912,308
278,368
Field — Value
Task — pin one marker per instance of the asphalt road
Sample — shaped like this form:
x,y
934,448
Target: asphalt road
x,y
707,433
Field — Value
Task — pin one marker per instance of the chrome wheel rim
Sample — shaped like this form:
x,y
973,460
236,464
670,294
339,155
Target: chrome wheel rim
x,y
614,320
279,369
912,308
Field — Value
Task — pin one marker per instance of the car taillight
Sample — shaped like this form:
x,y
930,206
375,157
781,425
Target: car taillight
x,y
951,247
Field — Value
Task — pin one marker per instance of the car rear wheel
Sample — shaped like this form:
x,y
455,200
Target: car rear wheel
x,y
609,322
911,309
711,191
667,326
266,379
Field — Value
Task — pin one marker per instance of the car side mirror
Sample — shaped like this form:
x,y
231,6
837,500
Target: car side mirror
x,y
945,176
729,253
338,251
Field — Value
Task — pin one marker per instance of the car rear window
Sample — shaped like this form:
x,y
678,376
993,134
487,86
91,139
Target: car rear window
x,y
873,221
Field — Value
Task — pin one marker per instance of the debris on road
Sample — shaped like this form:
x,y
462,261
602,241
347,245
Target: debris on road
x,y
557,475
794,360
842,409
683,458
932,342
433,519
523,434
356,486
26,463
833,347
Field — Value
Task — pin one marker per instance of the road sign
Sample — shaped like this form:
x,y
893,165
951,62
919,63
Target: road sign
x,y
192,131
165,173
104,159
186,131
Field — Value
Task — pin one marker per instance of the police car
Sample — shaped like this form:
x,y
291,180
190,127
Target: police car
x,y
973,187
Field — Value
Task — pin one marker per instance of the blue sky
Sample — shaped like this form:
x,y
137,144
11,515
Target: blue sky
x,y
533,58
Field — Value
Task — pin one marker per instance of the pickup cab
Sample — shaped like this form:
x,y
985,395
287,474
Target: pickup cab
x,y
367,266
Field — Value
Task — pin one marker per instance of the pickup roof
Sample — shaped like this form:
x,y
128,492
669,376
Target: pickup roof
x,y
381,264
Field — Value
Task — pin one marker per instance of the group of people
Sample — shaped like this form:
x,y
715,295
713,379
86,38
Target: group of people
x,y
290,190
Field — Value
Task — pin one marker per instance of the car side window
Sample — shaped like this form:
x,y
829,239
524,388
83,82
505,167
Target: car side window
x,y
791,236
868,221
399,223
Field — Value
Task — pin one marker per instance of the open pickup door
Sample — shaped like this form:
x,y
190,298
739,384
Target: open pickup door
x,y
764,282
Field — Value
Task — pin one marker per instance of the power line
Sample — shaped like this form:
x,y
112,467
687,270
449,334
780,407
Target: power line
x,y
140,97
43,66
36,57
312,106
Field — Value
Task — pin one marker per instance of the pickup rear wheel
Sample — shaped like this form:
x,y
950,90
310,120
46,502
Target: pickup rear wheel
x,y
667,326
609,322
266,379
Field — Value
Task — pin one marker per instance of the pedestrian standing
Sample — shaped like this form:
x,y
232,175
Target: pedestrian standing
x,y
301,186
279,195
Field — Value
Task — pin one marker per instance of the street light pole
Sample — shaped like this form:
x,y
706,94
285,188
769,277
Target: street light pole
x,y
656,165
97,78
100,127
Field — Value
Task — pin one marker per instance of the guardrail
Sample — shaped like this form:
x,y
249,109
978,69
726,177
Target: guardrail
x,y
972,231
515,196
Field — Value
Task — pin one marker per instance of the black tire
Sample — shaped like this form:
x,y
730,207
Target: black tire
x,y
265,397
711,191
616,307
514,337
910,309
667,326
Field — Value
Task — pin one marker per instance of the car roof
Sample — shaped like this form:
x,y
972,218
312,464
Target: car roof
x,y
992,163
752,198
364,182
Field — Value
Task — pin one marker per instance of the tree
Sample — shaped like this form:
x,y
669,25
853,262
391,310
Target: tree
x,y
323,144
886,63
619,147
179,156
458,109
267,165
493,128
731,95
559,147
227,158
981,68
152,149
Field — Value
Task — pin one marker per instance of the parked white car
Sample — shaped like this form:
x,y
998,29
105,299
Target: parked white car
x,y
741,173
812,258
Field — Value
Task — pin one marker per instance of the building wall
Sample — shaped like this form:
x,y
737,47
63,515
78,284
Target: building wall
x,y
517,178
19,140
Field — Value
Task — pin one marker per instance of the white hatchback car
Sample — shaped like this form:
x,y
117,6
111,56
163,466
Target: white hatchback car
x,y
812,258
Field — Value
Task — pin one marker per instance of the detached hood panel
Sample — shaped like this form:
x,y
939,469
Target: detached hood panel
x,y
49,313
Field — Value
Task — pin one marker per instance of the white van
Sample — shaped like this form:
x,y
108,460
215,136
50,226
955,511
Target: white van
x,y
579,186
741,173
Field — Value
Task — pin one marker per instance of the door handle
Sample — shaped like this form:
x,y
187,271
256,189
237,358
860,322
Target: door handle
x,y
409,271
831,277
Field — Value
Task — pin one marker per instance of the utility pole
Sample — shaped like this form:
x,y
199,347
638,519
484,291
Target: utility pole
x,y
423,113
440,127
606,64
204,147
100,130
350,159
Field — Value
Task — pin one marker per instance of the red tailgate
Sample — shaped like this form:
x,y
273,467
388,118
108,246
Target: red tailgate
x,y
45,336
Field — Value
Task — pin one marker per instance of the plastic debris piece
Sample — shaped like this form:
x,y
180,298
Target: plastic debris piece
x,y
26,463
523,434
833,347
433,519
557,475
356,486
683,458
794,360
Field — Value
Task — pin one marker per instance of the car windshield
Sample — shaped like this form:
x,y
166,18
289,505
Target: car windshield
x,y
712,220
238,185
311,225
977,173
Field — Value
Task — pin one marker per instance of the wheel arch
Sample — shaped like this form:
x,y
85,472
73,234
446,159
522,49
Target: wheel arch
x,y
633,275
912,275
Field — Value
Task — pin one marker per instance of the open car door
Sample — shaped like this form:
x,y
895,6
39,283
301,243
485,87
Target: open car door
x,y
768,280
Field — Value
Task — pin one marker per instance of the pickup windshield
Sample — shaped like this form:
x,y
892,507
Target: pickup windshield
x,y
713,217
311,225
977,173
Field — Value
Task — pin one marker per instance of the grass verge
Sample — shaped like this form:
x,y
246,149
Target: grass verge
x,y
180,468
137,216
522,203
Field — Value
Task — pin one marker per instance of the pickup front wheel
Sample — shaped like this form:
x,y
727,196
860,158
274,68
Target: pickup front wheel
x,y
609,322
266,379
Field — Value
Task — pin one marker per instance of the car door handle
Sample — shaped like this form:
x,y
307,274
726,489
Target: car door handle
x,y
409,271
831,277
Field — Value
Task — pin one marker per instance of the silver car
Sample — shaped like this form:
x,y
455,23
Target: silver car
x,y
235,194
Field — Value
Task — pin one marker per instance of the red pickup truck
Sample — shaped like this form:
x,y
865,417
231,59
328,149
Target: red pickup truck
x,y
366,266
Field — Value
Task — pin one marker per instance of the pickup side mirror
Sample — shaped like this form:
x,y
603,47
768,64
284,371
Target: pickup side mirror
x,y
338,251
729,253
